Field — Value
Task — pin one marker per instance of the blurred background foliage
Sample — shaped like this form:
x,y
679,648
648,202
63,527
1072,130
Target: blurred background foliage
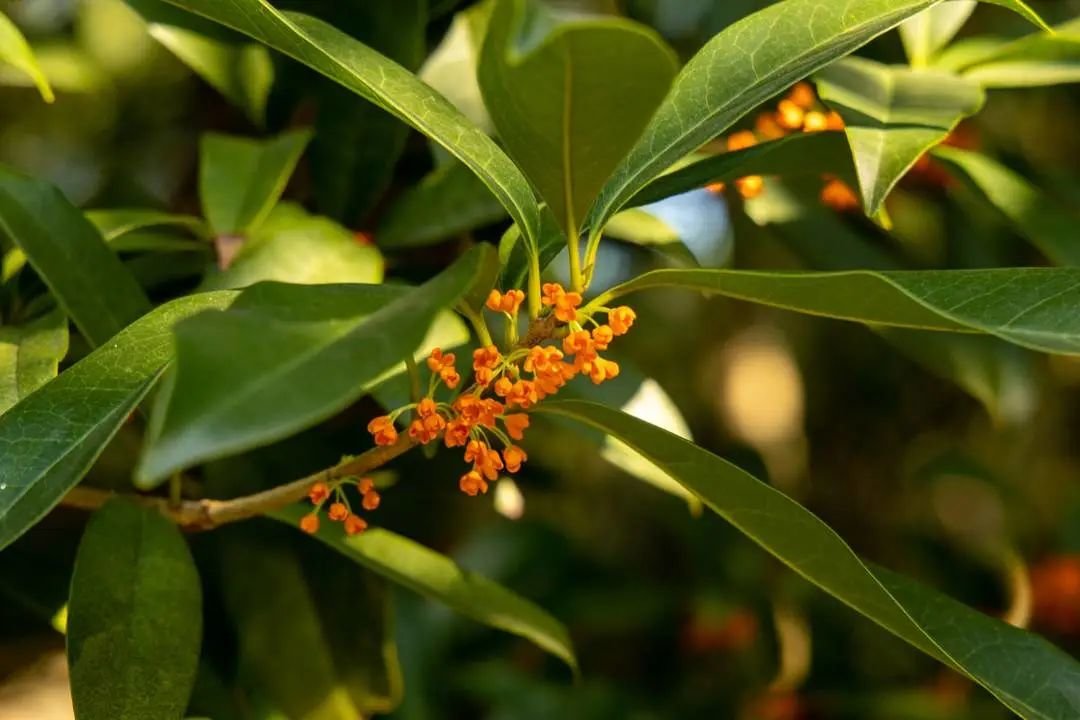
x,y
958,465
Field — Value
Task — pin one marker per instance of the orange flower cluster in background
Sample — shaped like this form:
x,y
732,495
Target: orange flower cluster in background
x,y
340,509
799,111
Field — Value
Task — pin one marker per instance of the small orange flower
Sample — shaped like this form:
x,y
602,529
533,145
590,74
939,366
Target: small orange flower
x,y
566,307
424,430
580,345
833,121
602,336
600,370
621,319
371,500
450,376
741,140
491,409
523,393
337,512
365,485
514,456
789,115
750,186
516,424
354,525
485,361
542,359
837,195
494,301
310,524
472,484
716,188
427,408
318,492
437,361
457,433
766,126
383,429
484,459
815,122
508,303
503,386
802,95
551,292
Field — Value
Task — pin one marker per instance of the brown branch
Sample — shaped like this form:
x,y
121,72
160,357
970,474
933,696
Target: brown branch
x,y
206,514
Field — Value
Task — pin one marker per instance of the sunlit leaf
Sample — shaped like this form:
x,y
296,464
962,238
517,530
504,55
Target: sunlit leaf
x,y
15,51
30,356
931,30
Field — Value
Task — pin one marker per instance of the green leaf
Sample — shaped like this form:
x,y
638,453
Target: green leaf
x,y
931,30
436,576
819,153
1034,60
15,51
1031,307
134,618
72,418
293,246
30,356
893,115
1034,214
383,82
449,201
241,179
786,41
451,66
114,224
980,647
570,97
241,71
316,636
87,279
307,351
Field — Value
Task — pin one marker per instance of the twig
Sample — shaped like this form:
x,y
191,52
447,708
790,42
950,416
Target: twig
x,y
206,514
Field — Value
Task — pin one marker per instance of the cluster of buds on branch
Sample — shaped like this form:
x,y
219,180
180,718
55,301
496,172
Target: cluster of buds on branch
x,y
340,509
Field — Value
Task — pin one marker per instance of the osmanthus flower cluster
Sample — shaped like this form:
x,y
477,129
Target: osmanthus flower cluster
x,y
490,415
799,111
340,509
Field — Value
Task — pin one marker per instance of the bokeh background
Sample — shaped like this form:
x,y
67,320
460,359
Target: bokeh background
x,y
962,470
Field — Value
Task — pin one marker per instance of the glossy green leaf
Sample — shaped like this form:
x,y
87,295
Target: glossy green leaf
x,y
241,179
307,352
893,115
980,647
1031,307
15,51
1049,225
387,84
823,153
570,96
1049,58
241,71
87,279
932,29
787,41
51,438
114,224
134,618
293,246
30,356
449,201
356,144
436,576
315,635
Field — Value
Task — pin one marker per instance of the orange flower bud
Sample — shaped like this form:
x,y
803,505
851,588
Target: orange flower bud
x,y
789,115
371,500
741,140
815,122
365,485
450,377
833,121
600,370
382,428
337,512
511,301
621,319
766,126
750,186
602,336
802,95
514,456
503,386
354,525
426,408
472,484
494,301
318,492
516,424
310,524
437,361
837,195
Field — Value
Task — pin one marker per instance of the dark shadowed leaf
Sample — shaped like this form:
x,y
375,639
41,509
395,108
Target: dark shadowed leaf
x,y
51,438
308,352
134,618
570,96
1032,307
241,179
984,649
30,356
893,115
438,577
87,279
